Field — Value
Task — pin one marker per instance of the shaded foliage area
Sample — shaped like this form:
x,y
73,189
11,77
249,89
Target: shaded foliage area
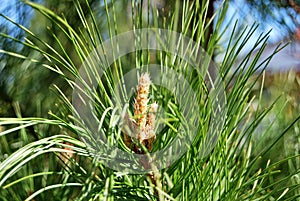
x,y
29,82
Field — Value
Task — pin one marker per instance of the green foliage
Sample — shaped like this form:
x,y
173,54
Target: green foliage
x,y
45,157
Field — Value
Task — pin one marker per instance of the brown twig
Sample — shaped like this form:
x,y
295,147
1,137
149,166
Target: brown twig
x,y
294,6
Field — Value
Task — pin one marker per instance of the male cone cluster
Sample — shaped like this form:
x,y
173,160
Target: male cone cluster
x,y
142,124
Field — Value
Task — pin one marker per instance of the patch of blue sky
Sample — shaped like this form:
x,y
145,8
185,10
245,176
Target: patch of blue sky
x,y
240,11
18,12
